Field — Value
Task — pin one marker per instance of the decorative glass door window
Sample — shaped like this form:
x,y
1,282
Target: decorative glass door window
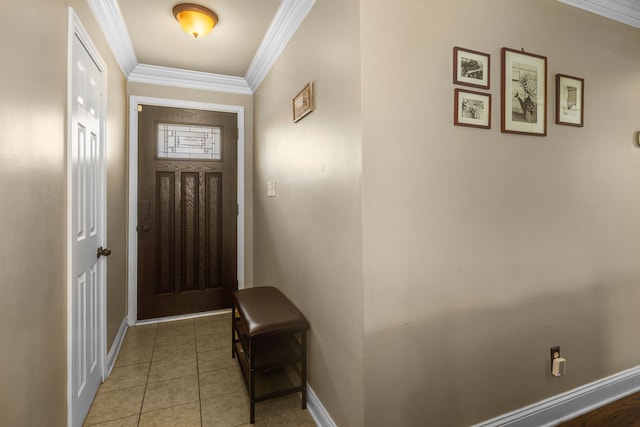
x,y
188,142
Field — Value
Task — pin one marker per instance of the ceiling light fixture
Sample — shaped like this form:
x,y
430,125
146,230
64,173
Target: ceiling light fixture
x,y
195,19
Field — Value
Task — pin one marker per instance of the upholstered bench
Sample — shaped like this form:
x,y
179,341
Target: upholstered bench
x,y
268,332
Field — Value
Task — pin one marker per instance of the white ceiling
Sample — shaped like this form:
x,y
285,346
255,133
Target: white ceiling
x,y
157,38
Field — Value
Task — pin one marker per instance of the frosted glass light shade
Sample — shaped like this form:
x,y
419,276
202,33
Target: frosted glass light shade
x,y
195,19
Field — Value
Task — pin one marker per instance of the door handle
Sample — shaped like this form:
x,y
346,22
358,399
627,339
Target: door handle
x,y
145,228
103,251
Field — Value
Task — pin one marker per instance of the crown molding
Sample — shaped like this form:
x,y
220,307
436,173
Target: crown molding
x,y
109,18
165,76
625,11
285,23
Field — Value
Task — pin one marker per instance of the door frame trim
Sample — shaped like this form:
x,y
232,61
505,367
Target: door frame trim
x,y
134,101
75,28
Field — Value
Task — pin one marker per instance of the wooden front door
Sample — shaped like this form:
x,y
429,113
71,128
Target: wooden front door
x,y
187,210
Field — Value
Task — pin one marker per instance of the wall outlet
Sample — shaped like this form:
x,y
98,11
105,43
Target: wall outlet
x,y
559,367
554,353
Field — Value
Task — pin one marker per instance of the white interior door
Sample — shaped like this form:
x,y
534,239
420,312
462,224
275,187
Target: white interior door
x,y
87,231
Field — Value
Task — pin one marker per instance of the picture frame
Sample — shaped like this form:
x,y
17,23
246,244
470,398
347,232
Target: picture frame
x,y
524,93
303,102
569,100
471,68
472,109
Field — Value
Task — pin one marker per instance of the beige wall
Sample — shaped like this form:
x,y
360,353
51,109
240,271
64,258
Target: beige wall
x,y
117,187
246,101
308,238
481,249
33,324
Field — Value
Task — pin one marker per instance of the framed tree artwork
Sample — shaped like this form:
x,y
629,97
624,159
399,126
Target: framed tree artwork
x,y
472,109
524,93
471,68
569,100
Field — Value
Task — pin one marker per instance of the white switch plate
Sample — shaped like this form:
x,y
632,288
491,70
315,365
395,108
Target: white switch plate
x,y
271,188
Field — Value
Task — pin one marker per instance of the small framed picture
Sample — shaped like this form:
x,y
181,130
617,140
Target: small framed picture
x,y
303,102
524,93
569,100
471,68
472,109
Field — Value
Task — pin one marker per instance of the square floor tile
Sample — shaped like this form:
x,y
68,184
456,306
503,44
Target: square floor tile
x,y
280,405
220,381
174,349
134,355
185,415
214,340
125,377
165,369
273,380
227,410
177,327
300,418
167,336
215,359
114,405
177,324
140,335
122,422
220,324
165,394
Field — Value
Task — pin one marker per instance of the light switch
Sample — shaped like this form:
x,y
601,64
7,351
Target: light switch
x,y
271,188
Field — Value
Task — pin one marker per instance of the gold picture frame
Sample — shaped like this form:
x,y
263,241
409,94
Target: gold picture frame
x,y
303,102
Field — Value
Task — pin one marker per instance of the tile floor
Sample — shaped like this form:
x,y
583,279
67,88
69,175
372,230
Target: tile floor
x,y
181,374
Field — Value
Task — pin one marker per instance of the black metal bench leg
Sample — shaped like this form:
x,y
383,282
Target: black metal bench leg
x,y
252,388
233,331
303,380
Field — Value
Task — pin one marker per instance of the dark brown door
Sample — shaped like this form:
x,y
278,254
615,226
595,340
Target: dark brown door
x,y
187,210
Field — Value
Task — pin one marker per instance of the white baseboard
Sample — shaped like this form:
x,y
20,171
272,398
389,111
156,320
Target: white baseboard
x,y
115,349
183,317
317,411
565,406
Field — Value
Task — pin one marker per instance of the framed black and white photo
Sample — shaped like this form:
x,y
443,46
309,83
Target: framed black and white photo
x,y
524,93
569,100
471,68
472,109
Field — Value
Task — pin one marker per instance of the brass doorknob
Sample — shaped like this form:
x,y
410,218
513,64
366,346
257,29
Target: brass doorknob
x,y
103,251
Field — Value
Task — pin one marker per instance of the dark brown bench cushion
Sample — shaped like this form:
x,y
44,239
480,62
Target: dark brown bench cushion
x,y
265,310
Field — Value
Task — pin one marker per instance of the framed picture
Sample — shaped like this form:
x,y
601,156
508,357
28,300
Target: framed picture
x,y
472,109
303,102
569,100
524,93
471,68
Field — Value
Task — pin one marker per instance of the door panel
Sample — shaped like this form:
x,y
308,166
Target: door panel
x,y
187,211
213,229
86,216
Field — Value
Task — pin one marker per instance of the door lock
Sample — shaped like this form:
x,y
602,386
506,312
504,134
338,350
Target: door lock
x,y
103,251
